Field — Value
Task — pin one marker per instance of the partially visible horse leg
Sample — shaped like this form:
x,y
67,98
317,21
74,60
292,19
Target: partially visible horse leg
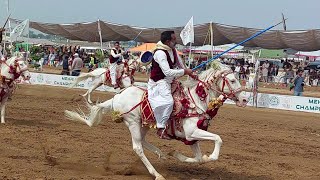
x,y
137,147
3,111
91,89
199,134
196,151
149,146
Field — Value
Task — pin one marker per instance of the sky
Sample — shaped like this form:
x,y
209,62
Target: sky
x,y
168,13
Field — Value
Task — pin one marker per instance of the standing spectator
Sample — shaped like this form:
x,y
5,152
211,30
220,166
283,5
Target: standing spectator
x,y
313,77
289,75
265,71
91,63
45,57
298,83
65,65
237,71
52,57
242,72
273,72
77,65
277,70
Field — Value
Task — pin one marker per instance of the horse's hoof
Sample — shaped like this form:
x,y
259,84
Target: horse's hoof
x,y
205,158
172,153
213,158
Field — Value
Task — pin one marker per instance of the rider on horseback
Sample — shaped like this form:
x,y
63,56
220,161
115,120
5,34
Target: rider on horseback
x,y
115,58
166,66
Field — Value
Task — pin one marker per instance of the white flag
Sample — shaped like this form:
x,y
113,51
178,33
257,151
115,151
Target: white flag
x,y
187,34
20,30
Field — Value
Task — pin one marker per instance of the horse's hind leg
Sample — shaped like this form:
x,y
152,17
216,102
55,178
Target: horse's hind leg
x,y
149,146
135,131
196,151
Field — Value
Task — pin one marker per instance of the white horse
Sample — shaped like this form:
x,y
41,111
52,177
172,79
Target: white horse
x,y
217,83
11,70
102,76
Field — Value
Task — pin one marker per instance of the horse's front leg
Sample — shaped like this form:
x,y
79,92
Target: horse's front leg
x,y
90,90
3,111
150,146
199,134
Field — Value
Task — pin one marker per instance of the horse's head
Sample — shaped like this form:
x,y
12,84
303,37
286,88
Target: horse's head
x,y
22,69
14,67
223,81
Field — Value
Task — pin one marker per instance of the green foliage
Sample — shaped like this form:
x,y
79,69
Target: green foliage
x,y
100,55
35,53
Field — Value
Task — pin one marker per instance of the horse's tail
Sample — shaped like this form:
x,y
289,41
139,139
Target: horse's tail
x,y
80,78
95,115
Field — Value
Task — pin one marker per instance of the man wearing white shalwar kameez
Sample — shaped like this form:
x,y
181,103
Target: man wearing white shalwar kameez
x,y
166,66
114,58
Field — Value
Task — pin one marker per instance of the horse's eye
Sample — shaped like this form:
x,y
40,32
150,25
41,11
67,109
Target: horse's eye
x,y
233,81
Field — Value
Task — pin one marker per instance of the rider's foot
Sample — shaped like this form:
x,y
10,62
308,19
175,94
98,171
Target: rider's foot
x,y
163,134
115,87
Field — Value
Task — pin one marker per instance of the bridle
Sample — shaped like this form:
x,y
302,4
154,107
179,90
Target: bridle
x,y
214,80
225,82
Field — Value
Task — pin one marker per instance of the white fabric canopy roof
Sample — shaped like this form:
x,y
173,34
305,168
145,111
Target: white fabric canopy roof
x,y
312,53
306,40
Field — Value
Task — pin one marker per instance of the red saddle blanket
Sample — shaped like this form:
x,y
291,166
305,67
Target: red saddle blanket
x,y
119,75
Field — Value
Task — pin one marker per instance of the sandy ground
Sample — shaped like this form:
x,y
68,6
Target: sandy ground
x,y
37,142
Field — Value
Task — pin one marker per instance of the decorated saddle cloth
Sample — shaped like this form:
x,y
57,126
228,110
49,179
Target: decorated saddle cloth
x,y
118,77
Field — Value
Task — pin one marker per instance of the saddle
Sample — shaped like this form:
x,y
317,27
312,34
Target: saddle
x,y
120,73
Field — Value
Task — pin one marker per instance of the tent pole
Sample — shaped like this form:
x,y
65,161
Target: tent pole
x,y
100,35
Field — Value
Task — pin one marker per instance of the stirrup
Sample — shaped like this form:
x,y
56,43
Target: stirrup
x,y
163,134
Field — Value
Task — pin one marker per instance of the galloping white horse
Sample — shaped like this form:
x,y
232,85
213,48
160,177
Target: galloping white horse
x,y
100,77
218,83
11,70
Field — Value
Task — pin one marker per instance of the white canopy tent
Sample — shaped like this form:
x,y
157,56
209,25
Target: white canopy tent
x,y
305,40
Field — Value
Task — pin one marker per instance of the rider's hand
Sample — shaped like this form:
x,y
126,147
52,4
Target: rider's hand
x,y
188,72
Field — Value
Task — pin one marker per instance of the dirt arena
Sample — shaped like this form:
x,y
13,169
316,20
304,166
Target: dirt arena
x,y
37,142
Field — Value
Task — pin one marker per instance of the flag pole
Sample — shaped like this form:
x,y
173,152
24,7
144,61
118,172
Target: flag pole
x,y
100,35
28,41
189,59
211,39
242,42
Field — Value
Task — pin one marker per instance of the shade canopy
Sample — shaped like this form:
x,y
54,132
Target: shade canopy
x,y
302,40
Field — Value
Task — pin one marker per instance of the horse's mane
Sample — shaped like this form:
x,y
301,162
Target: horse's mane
x,y
215,66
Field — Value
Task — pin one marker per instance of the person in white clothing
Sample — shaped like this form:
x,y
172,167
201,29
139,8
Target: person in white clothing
x,y
115,57
166,66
